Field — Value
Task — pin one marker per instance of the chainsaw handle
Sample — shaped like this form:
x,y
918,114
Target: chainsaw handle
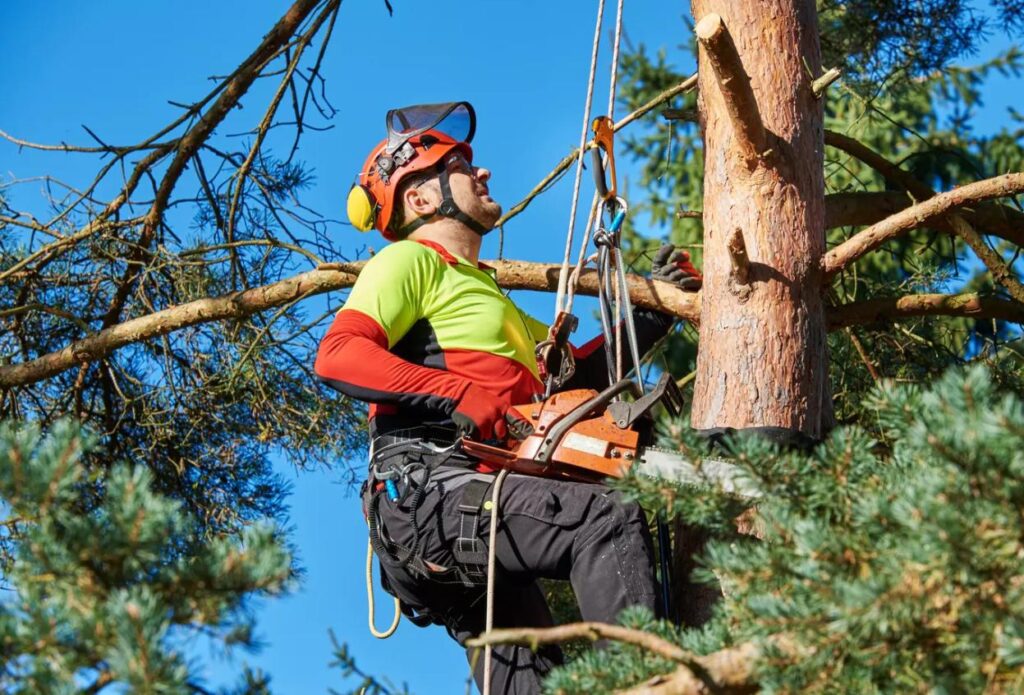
x,y
553,437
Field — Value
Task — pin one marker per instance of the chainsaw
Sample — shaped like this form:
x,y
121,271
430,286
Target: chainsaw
x,y
586,435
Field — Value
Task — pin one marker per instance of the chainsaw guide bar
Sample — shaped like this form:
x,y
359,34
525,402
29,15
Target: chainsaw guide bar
x,y
585,435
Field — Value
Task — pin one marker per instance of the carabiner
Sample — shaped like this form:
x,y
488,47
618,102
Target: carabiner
x,y
604,136
616,209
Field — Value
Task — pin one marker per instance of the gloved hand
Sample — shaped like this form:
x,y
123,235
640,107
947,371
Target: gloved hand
x,y
481,415
673,265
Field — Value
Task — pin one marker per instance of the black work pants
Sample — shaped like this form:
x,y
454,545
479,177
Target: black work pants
x,y
554,529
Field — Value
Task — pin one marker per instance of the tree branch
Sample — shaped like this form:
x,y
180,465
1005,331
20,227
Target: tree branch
x,y
235,88
729,672
879,163
874,236
725,671
822,83
534,637
644,292
735,87
863,208
740,270
1002,273
970,305
684,86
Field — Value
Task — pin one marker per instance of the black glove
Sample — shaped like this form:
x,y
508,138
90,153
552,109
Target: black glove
x,y
673,265
482,415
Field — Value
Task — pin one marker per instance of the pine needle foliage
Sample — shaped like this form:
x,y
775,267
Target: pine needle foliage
x,y
891,560
106,579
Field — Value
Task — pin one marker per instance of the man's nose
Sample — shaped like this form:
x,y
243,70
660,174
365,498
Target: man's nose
x,y
482,174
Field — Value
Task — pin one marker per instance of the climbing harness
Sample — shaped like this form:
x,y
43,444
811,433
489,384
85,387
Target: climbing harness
x,y
401,470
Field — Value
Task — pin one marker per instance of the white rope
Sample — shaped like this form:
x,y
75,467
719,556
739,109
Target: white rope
x,y
491,543
582,259
570,292
563,273
615,60
369,598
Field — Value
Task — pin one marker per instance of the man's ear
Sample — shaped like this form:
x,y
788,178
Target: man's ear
x,y
421,201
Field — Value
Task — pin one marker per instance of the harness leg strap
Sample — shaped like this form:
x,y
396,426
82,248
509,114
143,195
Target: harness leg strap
x,y
469,549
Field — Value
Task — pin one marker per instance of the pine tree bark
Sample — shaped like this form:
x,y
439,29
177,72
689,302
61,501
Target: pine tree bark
x,y
763,359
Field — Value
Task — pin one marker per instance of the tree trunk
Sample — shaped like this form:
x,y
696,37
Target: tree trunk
x,y
763,359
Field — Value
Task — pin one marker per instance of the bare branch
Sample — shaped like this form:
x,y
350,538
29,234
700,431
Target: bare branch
x,y
1002,273
644,292
268,118
825,81
874,236
862,208
37,306
725,671
684,86
63,147
971,305
863,354
235,88
534,637
879,163
735,87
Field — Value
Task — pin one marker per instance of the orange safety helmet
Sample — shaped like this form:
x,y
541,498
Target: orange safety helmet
x,y
420,138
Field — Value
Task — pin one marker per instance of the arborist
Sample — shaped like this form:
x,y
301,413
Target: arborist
x,y
439,352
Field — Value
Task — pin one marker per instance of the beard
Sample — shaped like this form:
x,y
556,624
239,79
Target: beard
x,y
490,213
483,209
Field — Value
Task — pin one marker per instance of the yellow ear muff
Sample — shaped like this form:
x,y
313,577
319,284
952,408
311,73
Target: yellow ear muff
x,y
362,208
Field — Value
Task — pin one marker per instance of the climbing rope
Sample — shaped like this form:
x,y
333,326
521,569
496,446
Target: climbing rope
x,y
594,218
561,302
563,273
492,537
369,597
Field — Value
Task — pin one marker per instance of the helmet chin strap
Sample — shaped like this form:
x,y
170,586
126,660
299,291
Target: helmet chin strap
x,y
447,208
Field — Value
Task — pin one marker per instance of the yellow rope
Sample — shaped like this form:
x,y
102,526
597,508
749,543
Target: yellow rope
x,y
369,597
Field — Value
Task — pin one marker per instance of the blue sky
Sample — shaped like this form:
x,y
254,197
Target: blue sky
x,y
114,65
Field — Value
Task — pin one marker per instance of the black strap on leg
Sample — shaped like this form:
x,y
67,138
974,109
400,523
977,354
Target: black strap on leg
x,y
469,550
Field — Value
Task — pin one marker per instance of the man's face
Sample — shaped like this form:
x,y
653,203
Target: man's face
x,y
469,188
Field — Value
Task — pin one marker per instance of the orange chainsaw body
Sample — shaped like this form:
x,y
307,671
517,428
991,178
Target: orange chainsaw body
x,y
592,448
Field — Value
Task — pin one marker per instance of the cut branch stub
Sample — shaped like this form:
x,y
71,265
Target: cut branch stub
x,y
738,255
822,83
735,86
